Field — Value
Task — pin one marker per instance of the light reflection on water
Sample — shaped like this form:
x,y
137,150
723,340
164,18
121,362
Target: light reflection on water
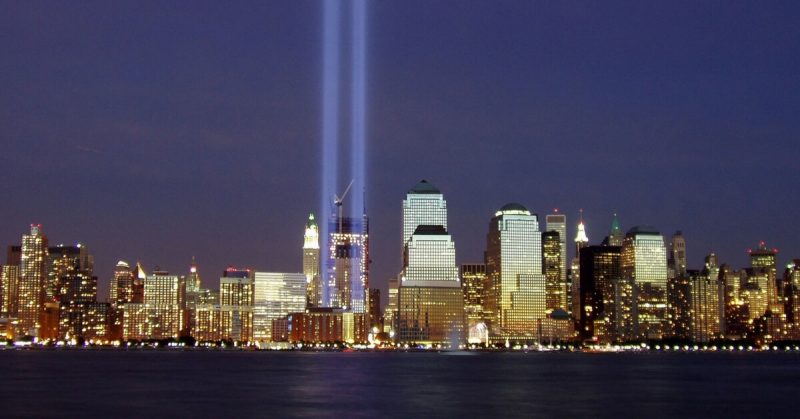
x,y
165,383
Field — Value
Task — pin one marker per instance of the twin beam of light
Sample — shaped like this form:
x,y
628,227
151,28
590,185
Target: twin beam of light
x,y
358,126
330,126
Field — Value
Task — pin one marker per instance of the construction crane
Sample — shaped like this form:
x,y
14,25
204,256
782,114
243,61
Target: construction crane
x,y
337,201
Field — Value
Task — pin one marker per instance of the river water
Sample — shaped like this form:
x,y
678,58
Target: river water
x,y
164,383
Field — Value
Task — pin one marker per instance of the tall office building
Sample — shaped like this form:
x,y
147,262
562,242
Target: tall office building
x,y
736,312
165,300
311,263
791,286
615,234
430,301
644,264
679,304
236,299
70,276
9,281
375,316
677,255
515,292
424,205
558,223
390,312
348,263
763,273
707,301
122,284
275,295
600,277
581,241
556,295
32,286
473,280
193,282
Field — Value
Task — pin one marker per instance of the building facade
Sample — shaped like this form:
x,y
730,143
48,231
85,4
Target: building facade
x,y
515,291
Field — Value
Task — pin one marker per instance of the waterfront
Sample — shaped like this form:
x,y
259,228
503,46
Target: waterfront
x,y
50,383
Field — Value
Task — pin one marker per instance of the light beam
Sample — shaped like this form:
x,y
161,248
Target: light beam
x,y
330,126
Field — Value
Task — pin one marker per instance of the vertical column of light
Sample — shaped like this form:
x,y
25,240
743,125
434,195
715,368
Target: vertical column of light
x,y
330,130
358,115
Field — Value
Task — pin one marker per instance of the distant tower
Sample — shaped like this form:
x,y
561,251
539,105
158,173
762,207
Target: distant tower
x,y
32,282
430,300
431,304
424,205
644,266
602,303
311,263
558,223
581,241
122,284
615,235
347,267
515,284
763,274
193,283
677,254
551,266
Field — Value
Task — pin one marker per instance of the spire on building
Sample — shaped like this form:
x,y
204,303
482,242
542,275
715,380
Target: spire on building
x,y
580,236
311,238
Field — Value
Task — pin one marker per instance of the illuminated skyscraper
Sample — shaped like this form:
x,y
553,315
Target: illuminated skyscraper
x,y
390,312
558,223
644,264
615,235
556,295
311,263
194,293
791,286
763,273
677,254
736,312
122,284
424,205
9,281
33,280
348,263
581,241
430,301
165,299
70,276
193,283
236,296
706,296
679,303
275,295
473,280
515,289
599,278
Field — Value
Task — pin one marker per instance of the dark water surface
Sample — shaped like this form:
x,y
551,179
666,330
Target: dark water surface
x,y
270,384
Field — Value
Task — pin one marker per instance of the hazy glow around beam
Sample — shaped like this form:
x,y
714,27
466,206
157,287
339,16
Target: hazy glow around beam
x,y
330,123
358,125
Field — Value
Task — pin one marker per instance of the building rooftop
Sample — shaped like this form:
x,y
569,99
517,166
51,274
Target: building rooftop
x,y
430,230
424,187
643,230
513,206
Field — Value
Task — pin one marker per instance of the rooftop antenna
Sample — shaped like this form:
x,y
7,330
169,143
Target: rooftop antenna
x,y
337,201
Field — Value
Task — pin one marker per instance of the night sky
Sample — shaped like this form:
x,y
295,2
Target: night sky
x,y
154,132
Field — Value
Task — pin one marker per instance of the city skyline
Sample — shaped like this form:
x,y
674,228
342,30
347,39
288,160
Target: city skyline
x,y
208,146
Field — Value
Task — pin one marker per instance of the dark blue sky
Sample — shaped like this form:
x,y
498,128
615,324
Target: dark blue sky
x,y
161,130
